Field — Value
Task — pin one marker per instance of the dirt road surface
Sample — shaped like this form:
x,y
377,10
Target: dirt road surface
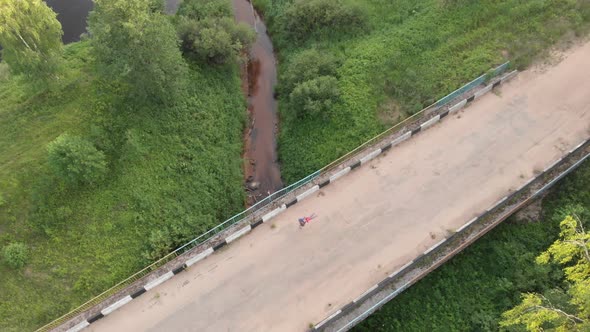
x,y
374,220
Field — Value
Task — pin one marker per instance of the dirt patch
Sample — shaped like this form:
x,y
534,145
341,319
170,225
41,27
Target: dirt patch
x,y
389,112
531,213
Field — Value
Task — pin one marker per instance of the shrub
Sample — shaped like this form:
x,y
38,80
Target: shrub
x,y
209,33
315,97
214,40
161,243
262,6
176,233
76,160
136,49
15,255
308,65
202,9
305,17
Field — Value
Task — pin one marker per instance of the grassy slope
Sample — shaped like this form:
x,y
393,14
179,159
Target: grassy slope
x,y
166,165
414,53
471,291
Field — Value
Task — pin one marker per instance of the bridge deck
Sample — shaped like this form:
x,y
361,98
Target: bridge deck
x,y
377,218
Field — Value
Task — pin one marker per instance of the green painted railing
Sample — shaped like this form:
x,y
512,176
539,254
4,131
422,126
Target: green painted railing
x,y
267,200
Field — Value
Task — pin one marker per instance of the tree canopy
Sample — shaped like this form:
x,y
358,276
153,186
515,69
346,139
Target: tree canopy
x,y
76,160
560,310
135,44
210,34
30,36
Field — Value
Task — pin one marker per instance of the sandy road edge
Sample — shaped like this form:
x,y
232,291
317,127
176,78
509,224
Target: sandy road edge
x,y
378,295
79,321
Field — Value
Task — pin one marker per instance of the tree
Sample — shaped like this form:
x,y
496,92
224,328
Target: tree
x,y
202,9
31,37
76,160
177,232
135,44
306,17
315,97
215,40
15,255
539,312
209,32
308,65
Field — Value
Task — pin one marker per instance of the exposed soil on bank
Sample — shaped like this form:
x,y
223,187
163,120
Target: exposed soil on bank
x,y
259,76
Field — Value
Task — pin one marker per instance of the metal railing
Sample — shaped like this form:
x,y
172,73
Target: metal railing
x,y
264,202
180,250
437,105
480,80
464,236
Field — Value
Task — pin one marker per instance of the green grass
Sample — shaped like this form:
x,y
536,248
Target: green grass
x,y
169,168
179,168
411,54
470,292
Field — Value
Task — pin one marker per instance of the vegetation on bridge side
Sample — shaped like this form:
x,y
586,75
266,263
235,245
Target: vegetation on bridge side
x,y
383,60
472,290
166,164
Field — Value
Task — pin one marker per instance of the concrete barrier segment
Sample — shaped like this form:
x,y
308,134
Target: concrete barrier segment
x,y
430,122
238,234
159,280
116,305
370,156
308,192
199,257
339,174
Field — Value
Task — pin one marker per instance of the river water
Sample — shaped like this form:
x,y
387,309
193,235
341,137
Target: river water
x,y
72,15
261,169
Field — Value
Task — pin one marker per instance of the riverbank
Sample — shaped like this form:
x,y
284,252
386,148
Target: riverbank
x,y
82,241
404,56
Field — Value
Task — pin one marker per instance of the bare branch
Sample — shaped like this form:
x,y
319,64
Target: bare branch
x,y
572,318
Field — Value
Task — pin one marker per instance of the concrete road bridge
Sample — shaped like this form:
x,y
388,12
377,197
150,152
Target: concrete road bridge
x,y
377,218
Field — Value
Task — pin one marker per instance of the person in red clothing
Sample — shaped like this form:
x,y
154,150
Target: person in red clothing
x,y
305,220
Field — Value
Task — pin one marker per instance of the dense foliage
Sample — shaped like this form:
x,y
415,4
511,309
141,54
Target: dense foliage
x,y
135,45
321,17
76,160
315,97
174,161
562,308
472,290
307,65
31,38
407,54
15,255
209,33
311,84
170,132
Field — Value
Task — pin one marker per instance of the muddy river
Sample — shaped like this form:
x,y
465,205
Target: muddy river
x,y
261,167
